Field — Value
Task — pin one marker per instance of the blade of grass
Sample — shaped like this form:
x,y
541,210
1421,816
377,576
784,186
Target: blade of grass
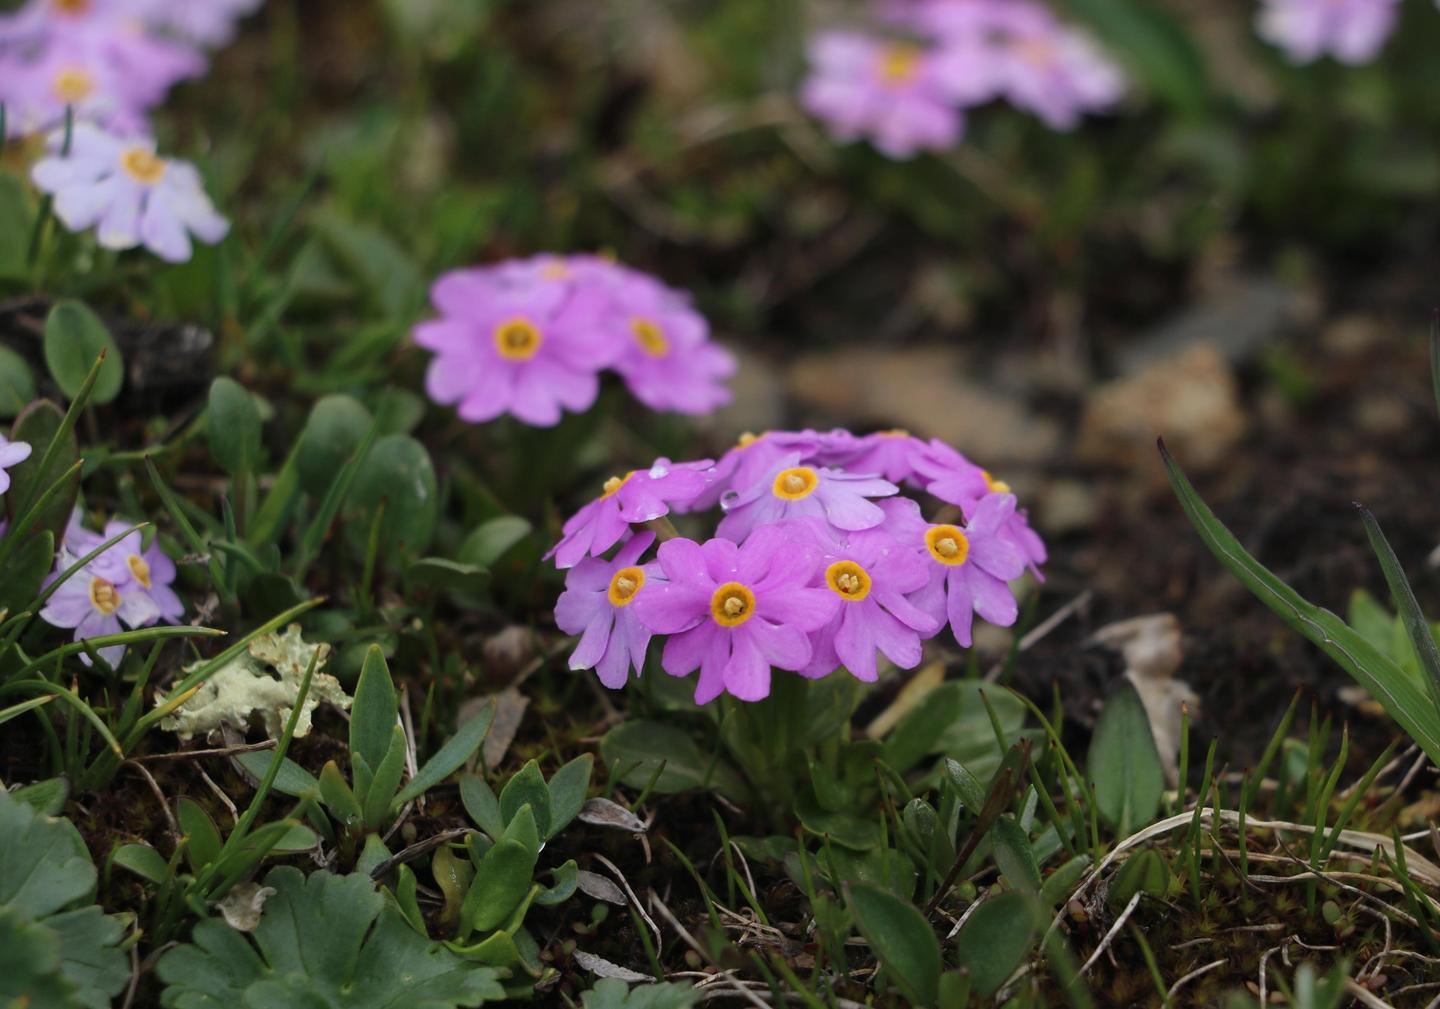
x,y
1416,626
177,514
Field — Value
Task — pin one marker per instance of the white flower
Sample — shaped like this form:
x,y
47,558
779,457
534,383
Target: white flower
x,y
131,195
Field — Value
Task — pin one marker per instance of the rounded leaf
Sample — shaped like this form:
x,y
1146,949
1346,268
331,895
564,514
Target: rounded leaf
x,y
234,426
398,472
74,339
334,430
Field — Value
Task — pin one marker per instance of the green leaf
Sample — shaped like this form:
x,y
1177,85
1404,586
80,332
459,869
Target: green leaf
x,y
901,940
1422,639
291,779
39,424
1124,764
996,939
502,879
25,571
493,539
1402,697
326,941
457,749
17,383
635,749
47,796
142,860
398,471
383,270
482,805
15,227
952,720
338,798
611,993
568,789
381,791
202,837
373,714
74,338
527,788
234,425
851,828
1155,47
334,430
441,573
1014,855
567,879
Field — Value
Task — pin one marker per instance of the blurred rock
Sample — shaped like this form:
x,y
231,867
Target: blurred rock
x,y
759,403
1239,317
1382,416
1191,399
1352,335
1068,506
925,391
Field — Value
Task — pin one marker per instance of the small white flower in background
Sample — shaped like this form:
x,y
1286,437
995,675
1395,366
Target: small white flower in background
x,y
131,195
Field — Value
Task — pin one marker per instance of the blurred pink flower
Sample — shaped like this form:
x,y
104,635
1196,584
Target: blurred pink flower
x,y
1352,31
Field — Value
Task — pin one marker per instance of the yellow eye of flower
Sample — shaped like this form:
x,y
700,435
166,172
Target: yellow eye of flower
x,y
748,438
517,339
993,485
625,585
74,8
615,483
795,484
899,63
140,569
732,604
103,596
143,166
650,337
848,580
948,545
555,269
73,85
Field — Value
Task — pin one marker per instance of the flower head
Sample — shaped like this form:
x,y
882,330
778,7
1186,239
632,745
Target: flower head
x,y
598,604
94,604
871,573
131,195
149,568
1353,31
12,453
970,569
639,496
794,490
888,91
890,454
734,612
531,350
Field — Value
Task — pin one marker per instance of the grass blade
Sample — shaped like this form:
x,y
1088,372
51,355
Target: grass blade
x,y
1416,626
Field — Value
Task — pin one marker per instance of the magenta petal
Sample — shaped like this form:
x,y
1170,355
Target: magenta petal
x,y
685,652
672,607
899,643
854,646
959,607
594,641
711,683
747,674
782,646
613,669
805,609
993,599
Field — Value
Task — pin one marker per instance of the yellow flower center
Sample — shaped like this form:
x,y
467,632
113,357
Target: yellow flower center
x,y
899,63
615,483
993,485
895,432
749,438
143,166
517,339
732,604
848,580
103,596
1039,53
555,269
75,8
74,84
948,545
650,337
797,483
139,569
624,586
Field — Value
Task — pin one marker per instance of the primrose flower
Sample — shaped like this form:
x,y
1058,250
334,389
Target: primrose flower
x,y
890,92
1353,31
149,568
12,453
890,454
951,477
128,193
597,605
970,569
753,456
669,362
793,490
734,612
639,496
871,573
95,601
530,350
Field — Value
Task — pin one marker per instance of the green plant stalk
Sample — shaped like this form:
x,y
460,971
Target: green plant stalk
x,y
172,506
72,699
1359,792
1416,626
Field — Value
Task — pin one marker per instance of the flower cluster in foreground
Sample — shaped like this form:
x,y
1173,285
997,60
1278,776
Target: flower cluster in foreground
x,y
126,583
1352,31
819,561
530,337
907,90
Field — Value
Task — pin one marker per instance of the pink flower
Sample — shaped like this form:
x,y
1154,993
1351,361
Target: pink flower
x,y
890,92
956,480
96,600
743,466
793,490
669,362
970,569
871,573
530,350
12,453
1353,31
890,454
129,194
639,496
734,612
597,605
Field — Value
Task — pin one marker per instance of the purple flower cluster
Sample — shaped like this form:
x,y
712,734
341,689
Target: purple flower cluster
x,y
111,61
127,584
1352,31
908,90
530,338
818,562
